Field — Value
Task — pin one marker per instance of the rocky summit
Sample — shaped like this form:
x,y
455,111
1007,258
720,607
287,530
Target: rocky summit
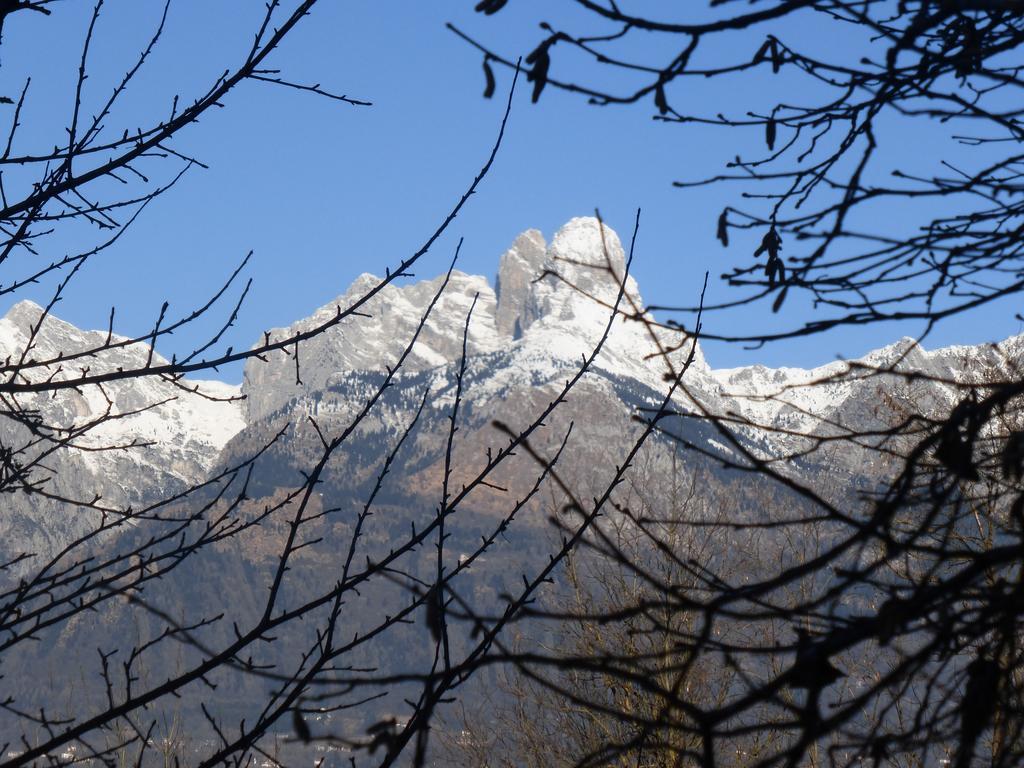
x,y
549,304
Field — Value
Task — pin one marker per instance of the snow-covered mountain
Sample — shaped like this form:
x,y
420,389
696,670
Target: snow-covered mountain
x,y
183,429
549,305
527,335
122,444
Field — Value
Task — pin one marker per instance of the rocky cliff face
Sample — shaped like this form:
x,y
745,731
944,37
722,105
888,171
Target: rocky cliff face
x,y
377,340
520,265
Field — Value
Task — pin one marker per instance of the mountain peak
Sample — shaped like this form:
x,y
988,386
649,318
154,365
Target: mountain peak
x,y
53,336
24,314
520,265
578,273
554,299
589,250
585,263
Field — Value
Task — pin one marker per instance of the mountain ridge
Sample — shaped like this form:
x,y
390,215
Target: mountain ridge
x,y
549,305
528,334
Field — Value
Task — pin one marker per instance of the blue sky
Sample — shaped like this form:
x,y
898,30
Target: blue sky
x,y
323,191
